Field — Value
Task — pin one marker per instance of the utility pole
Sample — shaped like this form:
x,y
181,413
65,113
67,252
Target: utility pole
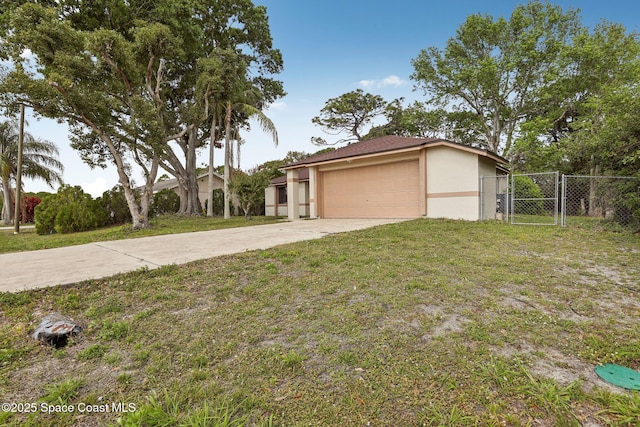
x,y
16,219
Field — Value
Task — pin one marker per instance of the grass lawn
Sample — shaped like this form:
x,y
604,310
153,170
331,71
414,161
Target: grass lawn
x,y
28,240
426,322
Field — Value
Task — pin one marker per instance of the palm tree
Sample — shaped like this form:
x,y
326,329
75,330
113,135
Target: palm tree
x,y
231,99
246,105
38,162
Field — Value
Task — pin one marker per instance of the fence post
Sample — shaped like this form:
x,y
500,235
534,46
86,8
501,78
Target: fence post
x,y
563,202
555,213
511,198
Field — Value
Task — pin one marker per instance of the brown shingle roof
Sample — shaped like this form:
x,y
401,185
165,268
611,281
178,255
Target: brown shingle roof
x,y
303,175
384,144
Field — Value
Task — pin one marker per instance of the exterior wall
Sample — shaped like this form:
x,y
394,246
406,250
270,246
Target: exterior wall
x,y
303,198
272,208
488,204
452,184
270,200
203,188
313,192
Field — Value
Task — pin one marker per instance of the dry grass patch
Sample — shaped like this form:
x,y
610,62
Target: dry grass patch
x,y
417,323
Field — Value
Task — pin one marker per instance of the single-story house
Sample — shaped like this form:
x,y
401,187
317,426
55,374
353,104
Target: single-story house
x,y
203,185
387,177
275,196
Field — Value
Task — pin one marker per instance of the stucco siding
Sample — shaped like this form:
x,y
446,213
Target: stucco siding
x,y
270,201
452,184
272,208
453,207
451,170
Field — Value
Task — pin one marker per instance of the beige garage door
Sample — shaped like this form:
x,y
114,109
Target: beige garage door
x,y
381,191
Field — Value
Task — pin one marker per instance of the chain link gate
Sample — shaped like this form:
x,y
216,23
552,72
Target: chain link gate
x,y
534,198
520,198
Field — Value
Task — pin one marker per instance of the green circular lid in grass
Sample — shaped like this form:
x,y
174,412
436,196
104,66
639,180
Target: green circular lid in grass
x,y
619,375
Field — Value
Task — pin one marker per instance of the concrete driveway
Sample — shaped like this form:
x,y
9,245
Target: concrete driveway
x,y
49,267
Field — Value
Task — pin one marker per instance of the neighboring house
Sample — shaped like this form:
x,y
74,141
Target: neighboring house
x,y
388,177
203,186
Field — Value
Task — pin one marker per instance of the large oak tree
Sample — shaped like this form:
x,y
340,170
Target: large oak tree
x,y
496,69
124,75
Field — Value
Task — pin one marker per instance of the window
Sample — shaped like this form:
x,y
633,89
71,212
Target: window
x,y
282,195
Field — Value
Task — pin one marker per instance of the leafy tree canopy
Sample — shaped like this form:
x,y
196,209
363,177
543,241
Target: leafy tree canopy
x,y
496,69
131,77
348,113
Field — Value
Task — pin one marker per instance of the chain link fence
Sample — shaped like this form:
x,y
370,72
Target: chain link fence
x,y
543,199
608,201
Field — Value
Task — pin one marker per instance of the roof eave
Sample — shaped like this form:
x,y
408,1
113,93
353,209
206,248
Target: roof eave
x,y
427,144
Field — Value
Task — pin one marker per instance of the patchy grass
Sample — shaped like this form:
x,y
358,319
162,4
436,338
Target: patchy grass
x,y
422,323
28,240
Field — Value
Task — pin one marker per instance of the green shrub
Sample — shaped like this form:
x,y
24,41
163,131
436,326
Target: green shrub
x,y
115,205
165,202
69,210
46,213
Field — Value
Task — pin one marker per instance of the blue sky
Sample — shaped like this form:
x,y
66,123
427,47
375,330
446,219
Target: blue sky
x,y
331,47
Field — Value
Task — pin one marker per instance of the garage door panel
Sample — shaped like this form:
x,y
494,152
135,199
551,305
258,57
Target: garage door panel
x,y
381,191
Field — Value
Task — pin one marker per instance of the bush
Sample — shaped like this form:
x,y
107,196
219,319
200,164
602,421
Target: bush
x,y
249,189
29,205
27,210
69,210
165,202
115,205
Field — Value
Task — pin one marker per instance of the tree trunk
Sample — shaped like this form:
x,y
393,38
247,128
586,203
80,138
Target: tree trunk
x,y
147,196
7,197
227,161
186,175
238,152
193,199
139,212
212,147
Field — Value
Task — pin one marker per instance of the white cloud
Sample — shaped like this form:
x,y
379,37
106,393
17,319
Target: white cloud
x,y
278,106
391,80
367,83
95,188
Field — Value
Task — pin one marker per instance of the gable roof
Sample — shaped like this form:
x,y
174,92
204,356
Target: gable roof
x,y
173,182
303,175
387,144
